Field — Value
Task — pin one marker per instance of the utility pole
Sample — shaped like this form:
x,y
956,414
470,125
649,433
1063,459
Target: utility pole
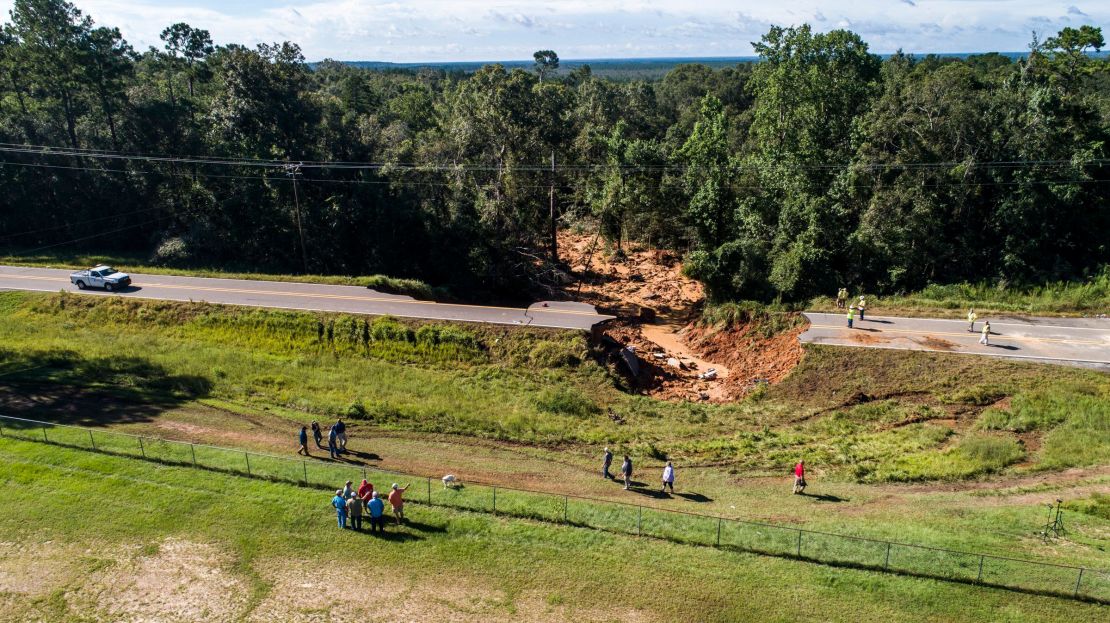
x,y
554,236
293,170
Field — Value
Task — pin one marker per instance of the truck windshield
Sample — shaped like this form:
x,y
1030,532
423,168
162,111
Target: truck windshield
x,y
107,271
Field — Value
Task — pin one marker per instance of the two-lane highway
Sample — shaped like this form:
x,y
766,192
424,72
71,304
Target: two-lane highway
x,y
310,297
1063,340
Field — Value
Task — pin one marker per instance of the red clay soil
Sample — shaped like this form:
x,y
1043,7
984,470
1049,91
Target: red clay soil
x,y
636,280
751,358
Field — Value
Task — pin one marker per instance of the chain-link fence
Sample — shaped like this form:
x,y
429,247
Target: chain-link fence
x,y
671,525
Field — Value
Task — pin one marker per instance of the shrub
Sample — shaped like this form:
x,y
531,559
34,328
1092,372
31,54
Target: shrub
x,y
386,329
566,401
554,355
356,410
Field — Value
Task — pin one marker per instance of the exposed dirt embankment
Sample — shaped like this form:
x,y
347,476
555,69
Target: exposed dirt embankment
x,y
658,308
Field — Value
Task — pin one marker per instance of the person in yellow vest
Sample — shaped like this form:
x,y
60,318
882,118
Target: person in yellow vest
x,y
841,298
862,306
986,338
851,315
971,316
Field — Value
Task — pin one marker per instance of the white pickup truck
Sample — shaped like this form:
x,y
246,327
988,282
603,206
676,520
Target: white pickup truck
x,y
100,277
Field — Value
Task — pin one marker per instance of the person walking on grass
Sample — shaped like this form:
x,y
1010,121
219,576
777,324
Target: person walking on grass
x,y
799,477
316,434
333,449
606,463
985,339
377,512
354,511
341,435
971,317
302,439
340,505
626,471
397,501
862,307
851,315
668,477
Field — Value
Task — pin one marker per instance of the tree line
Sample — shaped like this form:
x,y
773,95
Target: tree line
x,y
820,165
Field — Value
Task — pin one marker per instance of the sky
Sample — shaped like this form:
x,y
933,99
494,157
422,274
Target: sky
x,y
481,30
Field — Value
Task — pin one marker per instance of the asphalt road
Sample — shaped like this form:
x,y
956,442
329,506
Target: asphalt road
x,y
1059,340
309,297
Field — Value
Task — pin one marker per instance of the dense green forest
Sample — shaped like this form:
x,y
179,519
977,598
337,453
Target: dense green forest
x,y
820,165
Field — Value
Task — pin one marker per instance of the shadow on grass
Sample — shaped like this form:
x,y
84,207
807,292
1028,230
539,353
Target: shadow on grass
x,y
824,497
64,387
694,497
394,536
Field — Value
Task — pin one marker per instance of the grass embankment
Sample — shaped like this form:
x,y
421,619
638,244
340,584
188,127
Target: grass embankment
x,y
74,261
93,537
871,416
1065,298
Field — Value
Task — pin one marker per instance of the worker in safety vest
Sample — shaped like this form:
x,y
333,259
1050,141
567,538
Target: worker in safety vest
x,y
851,315
971,317
841,298
862,306
986,338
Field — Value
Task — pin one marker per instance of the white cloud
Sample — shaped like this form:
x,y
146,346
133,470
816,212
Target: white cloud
x,y
414,30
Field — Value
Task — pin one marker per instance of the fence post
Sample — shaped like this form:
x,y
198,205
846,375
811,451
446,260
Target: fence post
x,y
979,578
364,476
193,450
886,563
248,458
639,519
799,543
495,500
44,437
304,464
1078,581
566,502
92,442
429,490
141,448
719,520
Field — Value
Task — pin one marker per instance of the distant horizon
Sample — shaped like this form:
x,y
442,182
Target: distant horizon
x,y
414,31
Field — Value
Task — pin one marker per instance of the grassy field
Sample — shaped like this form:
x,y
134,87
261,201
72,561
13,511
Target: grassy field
x,y
1065,298
96,538
883,416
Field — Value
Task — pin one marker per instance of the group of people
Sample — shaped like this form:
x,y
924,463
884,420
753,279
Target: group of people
x,y
626,471
352,504
861,307
985,335
337,438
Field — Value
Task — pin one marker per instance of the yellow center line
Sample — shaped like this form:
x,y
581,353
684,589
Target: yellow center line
x,y
365,299
993,336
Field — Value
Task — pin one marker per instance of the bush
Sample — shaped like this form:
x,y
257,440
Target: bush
x,y
554,355
172,252
356,411
566,401
386,329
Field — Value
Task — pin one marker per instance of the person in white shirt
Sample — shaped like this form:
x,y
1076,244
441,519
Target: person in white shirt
x,y
668,477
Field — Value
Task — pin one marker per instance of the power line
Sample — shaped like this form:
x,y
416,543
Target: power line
x,y
588,167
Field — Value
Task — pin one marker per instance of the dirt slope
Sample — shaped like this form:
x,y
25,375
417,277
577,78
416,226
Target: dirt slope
x,y
657,309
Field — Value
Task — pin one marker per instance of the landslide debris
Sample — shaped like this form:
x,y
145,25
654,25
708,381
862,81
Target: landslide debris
x,y
658,341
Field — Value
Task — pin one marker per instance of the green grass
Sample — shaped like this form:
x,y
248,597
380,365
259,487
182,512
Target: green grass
x,y
857,415
1065,298
257,536
382,283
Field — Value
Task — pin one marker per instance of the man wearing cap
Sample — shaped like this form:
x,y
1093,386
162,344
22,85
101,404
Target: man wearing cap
x,y
398,502
377,512
354,511
340,508
606,463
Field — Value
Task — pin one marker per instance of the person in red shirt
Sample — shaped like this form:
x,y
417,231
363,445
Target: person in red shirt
x,y
799,477
365,490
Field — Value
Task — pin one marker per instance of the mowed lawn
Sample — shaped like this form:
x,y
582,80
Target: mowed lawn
x,y
90,537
